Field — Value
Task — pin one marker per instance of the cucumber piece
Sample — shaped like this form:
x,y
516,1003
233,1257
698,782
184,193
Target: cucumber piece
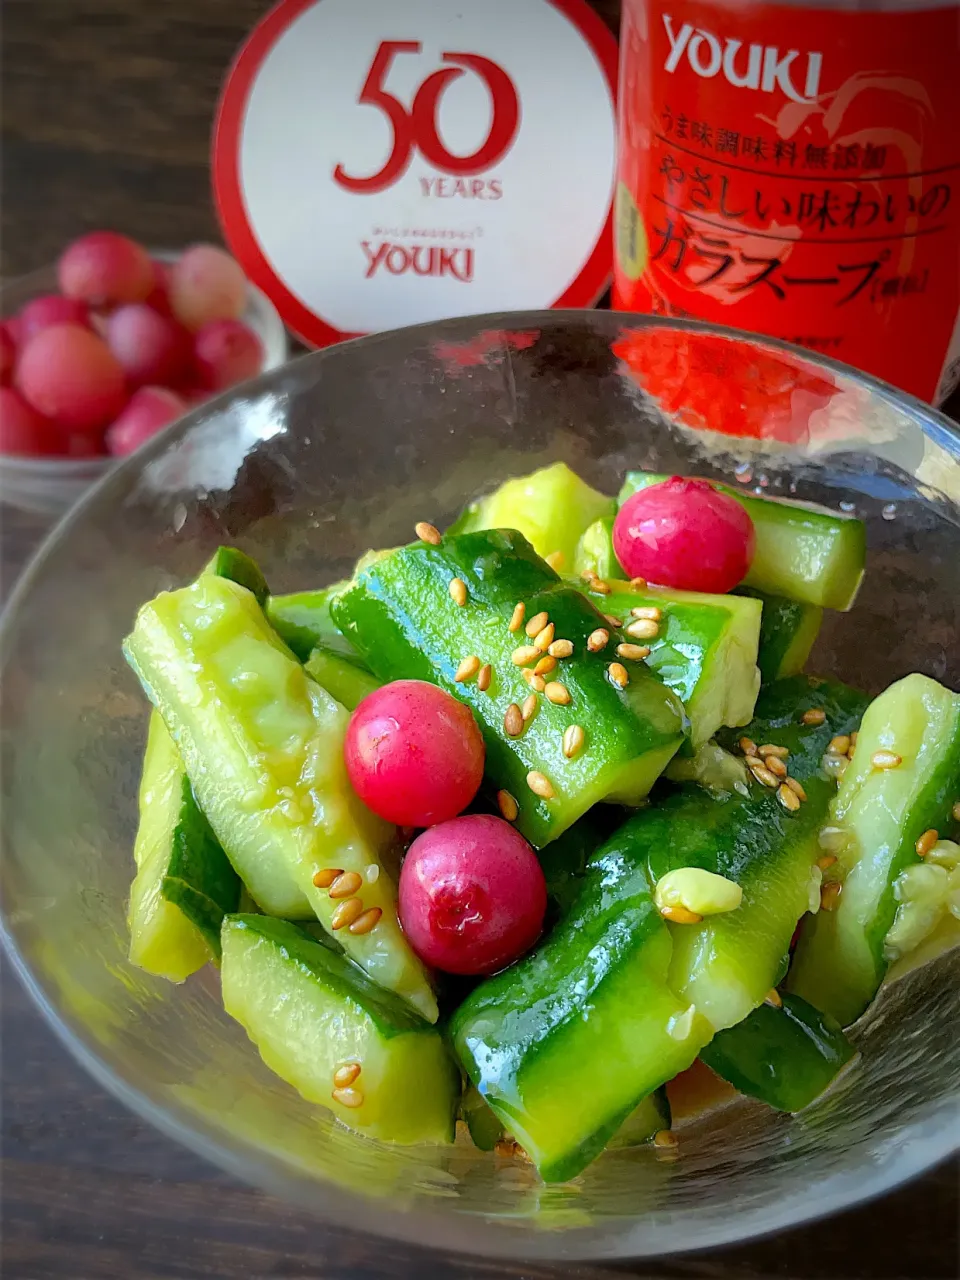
x,y
788,630
484,1126
230,563
184,884
263,746
804,552
595,552
648,1117
784,1056
566,1043
841,957
342,679
399,614
551,508
705,650
303,621
310,1011
564,861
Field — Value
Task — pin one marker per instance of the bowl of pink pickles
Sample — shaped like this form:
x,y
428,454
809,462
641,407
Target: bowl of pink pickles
x,y
110,345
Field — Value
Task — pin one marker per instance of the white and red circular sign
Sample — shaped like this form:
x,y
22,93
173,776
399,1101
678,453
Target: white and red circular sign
x,y
385,164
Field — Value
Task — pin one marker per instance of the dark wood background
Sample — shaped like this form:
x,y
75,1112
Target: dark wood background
x,y
106,113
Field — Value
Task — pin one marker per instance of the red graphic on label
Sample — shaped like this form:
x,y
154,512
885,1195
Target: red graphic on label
x,y
417,129
795,177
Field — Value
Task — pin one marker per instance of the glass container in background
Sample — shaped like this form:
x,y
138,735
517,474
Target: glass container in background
x,y
794,170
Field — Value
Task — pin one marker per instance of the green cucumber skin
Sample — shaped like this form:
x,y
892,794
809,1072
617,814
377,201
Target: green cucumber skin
x,y
814,970
342,679
788,630
785,1056
400,616
482,1122
236,565
595,552
199,878
302,621
803,552
534,1034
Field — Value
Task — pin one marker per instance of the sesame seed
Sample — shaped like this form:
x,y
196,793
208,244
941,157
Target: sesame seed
x,y
826,861
638,584
544,639
516,621
346,885
545,665
536,683
561,649
505,1147
771,749
839,745
748,746
618,674
926,842
484,676
764,776
351,1098
507,805
772,998
753,762
664,1138
633,652
458,591
557,693
513,721
540,784
612,620
776,766
427,533
537,623
647,611
599,586
573,738
367,921
816,715
886,760
325,878
467,669
588,575
555,560
643,629
795,787
344,1076
679,914
829,895
526,653
598,640
788,798
529,708
346,913
853,737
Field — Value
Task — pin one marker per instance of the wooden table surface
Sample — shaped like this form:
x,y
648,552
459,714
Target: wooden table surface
x,y
106,109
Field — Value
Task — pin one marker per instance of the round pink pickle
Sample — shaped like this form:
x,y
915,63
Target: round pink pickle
x,y
69,374
104,269
50,309
150,348
159,296
206,284
8,354
414,753
684,534
149,411
472,895
24,433
226,352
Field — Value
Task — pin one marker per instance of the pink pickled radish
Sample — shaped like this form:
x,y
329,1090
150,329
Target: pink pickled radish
x,y
226,352
50,309
150,348
206,284
105,268
149,411
69,374
24,433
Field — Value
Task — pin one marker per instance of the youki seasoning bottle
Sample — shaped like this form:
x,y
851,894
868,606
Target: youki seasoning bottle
x,y
794,170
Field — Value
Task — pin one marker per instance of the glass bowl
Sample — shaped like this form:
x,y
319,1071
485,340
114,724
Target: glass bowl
x,y
50,486
345,449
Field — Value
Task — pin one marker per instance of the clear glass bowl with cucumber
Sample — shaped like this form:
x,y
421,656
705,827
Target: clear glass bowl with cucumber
x,y
712,988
